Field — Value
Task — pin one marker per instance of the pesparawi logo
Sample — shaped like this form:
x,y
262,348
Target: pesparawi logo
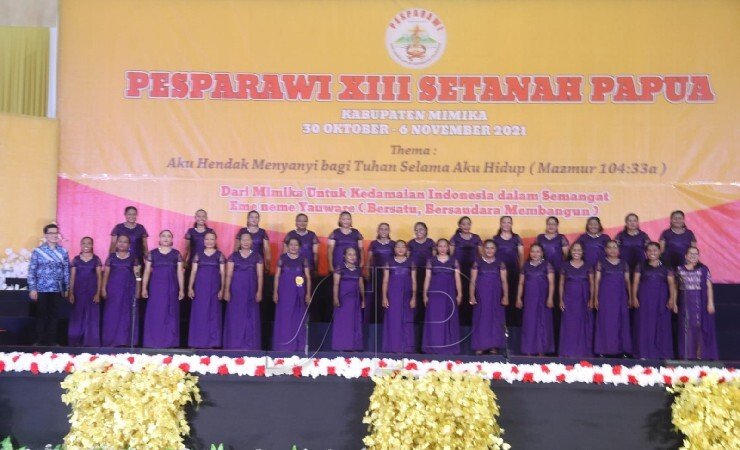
x,y
416,38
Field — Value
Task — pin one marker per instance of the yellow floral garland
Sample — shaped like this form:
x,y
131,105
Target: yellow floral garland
x,y
441,410
114,407
708,413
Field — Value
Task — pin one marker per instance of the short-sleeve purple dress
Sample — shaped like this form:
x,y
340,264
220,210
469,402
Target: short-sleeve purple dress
x,y
612,334
84,319
242,327
162,317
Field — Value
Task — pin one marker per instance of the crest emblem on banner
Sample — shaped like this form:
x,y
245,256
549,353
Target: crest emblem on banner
x,y
415,38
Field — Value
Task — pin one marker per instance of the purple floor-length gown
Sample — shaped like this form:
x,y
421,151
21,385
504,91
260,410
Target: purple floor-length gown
x,y
289,333
242,328
136,236
382,253
420,253
577,321
258,239
466,251
398,323
489,315
441,323
651,331
553,250
632,248
346,332
343,241
676,246
612,334
697,337
537,325
84,318
118,305
206,311
507,251
196,241
593,247
162,317
307,240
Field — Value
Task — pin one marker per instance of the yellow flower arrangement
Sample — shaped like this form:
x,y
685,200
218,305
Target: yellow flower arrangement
x,y
114,407
708,413
441,410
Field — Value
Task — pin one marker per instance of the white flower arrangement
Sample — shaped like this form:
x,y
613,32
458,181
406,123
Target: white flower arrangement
x,y
14,265
296,366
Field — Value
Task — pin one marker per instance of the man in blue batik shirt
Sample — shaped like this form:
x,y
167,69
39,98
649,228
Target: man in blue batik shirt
x,y
48,281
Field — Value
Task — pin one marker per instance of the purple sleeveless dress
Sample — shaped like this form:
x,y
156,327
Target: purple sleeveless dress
x,y
382,253
676,246
441,323
697,336
195,240
593,247
651,332
162,317
577,321
343,241
307,241
289,333
346,332
117,308
632,248
612,334
537,325
489,315
84,319
242,327
136,236
398,326
206,312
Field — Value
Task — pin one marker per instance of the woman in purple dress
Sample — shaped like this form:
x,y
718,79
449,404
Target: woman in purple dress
x,y
260,239
465,247
343,238
84,294
554,244
136,233
307,238
510,251
195,236
206,288
536,286
292,296
379,252
121,287
577,318
163,267
421,250
676,240
349,300
442,297
632,241
593,241
489,296
653,297
611,301
697,337
243,294
399,302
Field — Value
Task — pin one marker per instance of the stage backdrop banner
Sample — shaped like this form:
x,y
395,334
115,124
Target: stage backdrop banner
x,y
401,112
